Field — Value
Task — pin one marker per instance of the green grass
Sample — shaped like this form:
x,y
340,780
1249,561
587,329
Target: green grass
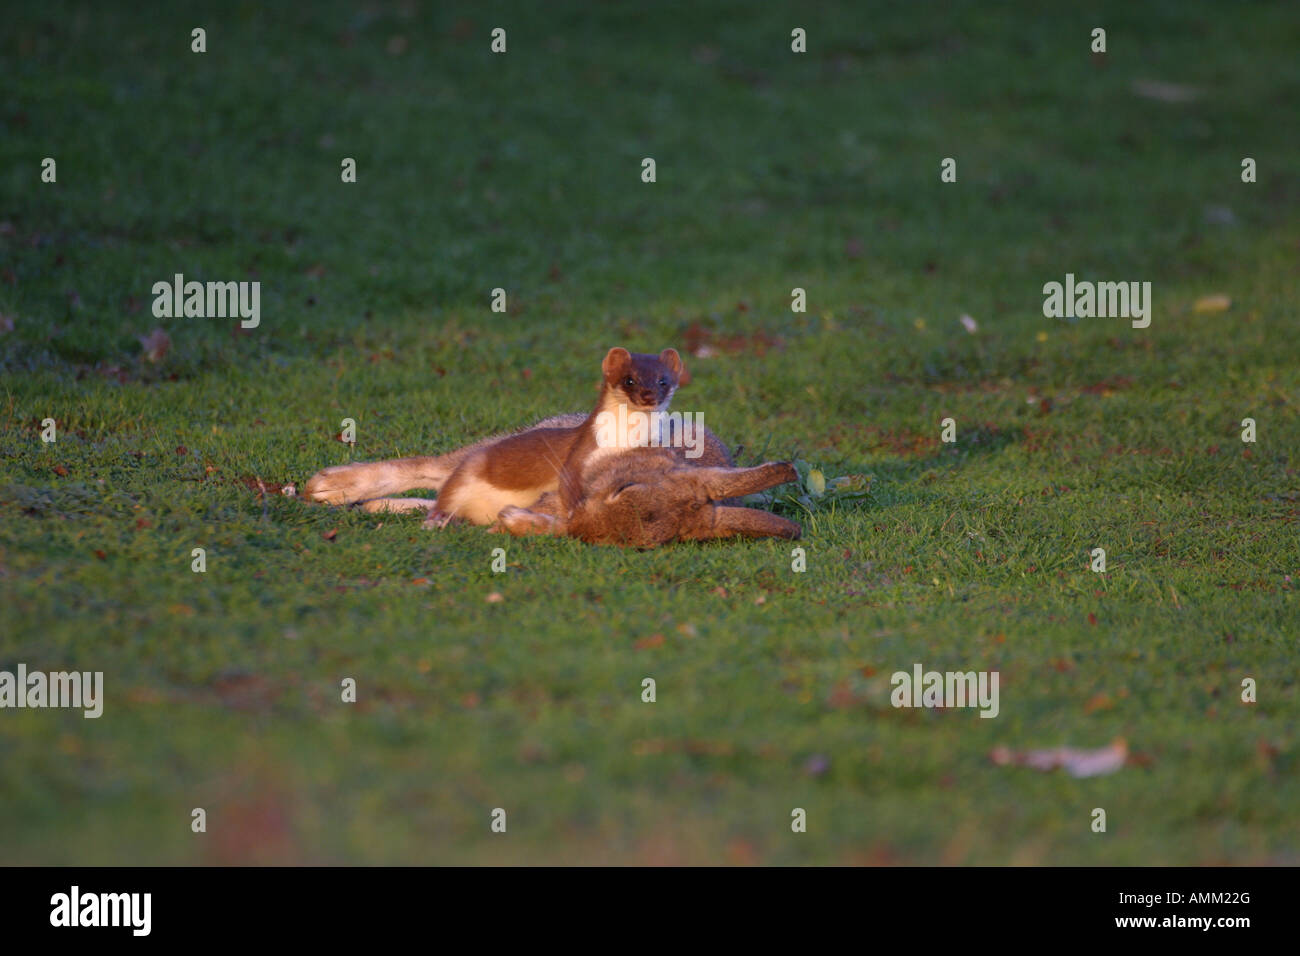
x,y
775,170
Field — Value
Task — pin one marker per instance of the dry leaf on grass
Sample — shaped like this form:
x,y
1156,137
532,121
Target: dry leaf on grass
x,y
156,345
1165,92
1075,762
1212,303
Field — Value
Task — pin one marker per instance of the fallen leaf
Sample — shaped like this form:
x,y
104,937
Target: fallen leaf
x,y
1165,92
253,483
244,691
331,534
1075,762
495,597
156,345
1098,702
842,696
703,342
741,852
1212,303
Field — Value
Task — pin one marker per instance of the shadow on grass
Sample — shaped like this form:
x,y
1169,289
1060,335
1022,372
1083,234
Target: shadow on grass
x,y
916,461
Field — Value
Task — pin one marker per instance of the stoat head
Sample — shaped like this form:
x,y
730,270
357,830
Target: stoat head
x,y
644,382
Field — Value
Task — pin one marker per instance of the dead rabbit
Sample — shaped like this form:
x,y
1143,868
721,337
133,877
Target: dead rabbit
x,y
646,497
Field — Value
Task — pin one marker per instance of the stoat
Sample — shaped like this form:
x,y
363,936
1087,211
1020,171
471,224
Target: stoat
x,y
475,482
518,470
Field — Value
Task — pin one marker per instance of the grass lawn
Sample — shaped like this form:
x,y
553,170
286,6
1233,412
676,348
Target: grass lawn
x,y
775,170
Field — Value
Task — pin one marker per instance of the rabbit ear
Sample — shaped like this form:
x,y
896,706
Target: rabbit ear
x,y
749,523
733,482
614,495
521,521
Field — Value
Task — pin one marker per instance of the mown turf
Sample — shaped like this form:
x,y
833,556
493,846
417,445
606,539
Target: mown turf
x,y
775,170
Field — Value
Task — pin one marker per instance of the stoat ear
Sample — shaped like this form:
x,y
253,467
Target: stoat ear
x,y
674,361
617,361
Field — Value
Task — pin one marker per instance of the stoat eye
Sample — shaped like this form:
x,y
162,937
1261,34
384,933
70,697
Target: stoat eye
x,y
629,382
663,382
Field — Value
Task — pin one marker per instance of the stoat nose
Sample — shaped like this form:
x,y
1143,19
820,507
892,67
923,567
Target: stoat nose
x,y
647,397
